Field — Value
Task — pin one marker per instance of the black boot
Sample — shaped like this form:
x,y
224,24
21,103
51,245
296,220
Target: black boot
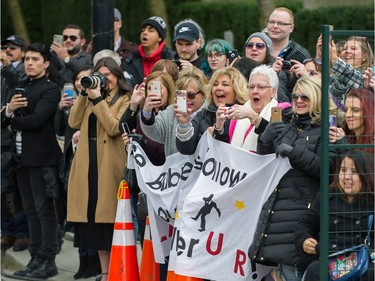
x,y
83,261
30,267
93,266
45,270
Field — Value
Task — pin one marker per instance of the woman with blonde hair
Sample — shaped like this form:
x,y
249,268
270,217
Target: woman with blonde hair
x,y
162,127
227,87
300,141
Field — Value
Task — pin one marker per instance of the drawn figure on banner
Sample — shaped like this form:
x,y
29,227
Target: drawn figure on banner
x,y
206,210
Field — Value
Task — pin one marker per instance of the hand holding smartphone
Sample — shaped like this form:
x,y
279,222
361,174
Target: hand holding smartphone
x,y
276,114
181,98
156,88
58,39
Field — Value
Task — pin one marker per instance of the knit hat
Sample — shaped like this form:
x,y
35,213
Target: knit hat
x,y
117,15
186,31
264,37
158,23
16,40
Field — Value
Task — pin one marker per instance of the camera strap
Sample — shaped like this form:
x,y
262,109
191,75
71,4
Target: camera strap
x,y
114,99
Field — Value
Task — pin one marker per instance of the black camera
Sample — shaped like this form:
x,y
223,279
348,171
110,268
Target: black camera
x,y
287,64
232,55
92,81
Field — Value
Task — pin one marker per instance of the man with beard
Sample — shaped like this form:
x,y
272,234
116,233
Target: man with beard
x,y
14,228
38,155
152,48
71,51
189,39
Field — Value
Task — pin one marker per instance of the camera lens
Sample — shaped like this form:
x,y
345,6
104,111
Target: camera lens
x,y
89,82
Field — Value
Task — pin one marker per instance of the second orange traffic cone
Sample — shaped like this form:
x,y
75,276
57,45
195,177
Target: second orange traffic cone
x,y
175,277
123,264
149,268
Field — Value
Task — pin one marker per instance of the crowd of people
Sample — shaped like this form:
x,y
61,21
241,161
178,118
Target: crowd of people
x,y
95,102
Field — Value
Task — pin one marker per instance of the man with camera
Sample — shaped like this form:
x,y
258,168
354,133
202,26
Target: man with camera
x,y
30,114
152,48
188,41
280,25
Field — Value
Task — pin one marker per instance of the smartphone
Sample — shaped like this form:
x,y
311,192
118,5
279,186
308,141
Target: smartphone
x,y
332,120
330,29
20,91
58,39
156,88
181,97
125,128
373,70
232,55
69,90
276,114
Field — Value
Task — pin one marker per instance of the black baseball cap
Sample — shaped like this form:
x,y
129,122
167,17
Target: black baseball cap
x,y
16,40
186,31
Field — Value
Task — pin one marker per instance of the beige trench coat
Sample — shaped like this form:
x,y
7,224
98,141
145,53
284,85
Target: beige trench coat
x,y
111,159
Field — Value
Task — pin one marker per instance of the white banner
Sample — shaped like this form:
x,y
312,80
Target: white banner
x,y
205,207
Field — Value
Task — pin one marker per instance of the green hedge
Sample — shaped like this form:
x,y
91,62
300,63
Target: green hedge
x,y
45,18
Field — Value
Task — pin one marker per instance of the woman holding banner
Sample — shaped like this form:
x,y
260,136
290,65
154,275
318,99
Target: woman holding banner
x,y
227,87
300,141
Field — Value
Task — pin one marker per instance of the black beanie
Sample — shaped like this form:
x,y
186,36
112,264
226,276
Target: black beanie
x,y
158,23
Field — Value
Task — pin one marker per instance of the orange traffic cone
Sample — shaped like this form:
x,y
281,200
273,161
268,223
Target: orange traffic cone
x,y
149,268
171,276
186,278
175,277
123,264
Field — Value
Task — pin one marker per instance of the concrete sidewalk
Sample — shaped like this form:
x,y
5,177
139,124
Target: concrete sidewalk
x,y
67,262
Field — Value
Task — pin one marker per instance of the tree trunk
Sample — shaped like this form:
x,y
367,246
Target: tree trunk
x,y
265,9
158,8
17,20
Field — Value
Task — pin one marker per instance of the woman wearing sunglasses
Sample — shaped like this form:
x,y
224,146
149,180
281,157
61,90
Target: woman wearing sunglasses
x,y
162,127
300,141
259,48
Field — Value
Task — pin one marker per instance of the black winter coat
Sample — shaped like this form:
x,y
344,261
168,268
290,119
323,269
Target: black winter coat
x,y
204,119
347,223
274,240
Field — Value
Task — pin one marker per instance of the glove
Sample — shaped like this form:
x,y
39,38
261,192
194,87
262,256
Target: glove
x,y
283,150
272,130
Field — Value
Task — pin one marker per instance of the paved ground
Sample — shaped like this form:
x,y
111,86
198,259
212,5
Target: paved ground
x,y
67,262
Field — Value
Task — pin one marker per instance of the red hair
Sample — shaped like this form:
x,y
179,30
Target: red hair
x,y
367,105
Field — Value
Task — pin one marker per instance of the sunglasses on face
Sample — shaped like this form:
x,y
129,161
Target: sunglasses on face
x,y
12,47
191,95
71,37
303,97
258,46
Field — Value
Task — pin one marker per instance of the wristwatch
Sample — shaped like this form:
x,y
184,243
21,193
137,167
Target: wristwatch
x,y
67,59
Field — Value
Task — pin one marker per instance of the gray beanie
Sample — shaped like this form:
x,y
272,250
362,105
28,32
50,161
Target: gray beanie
x,y
264,37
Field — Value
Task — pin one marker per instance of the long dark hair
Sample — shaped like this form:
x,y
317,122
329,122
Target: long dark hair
x,y
364,164
116,70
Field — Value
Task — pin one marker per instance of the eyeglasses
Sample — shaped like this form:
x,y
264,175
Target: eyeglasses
x,y
316,60
258,46
192,95
12,47
72,38
215,56
303,97
260,87
278,23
